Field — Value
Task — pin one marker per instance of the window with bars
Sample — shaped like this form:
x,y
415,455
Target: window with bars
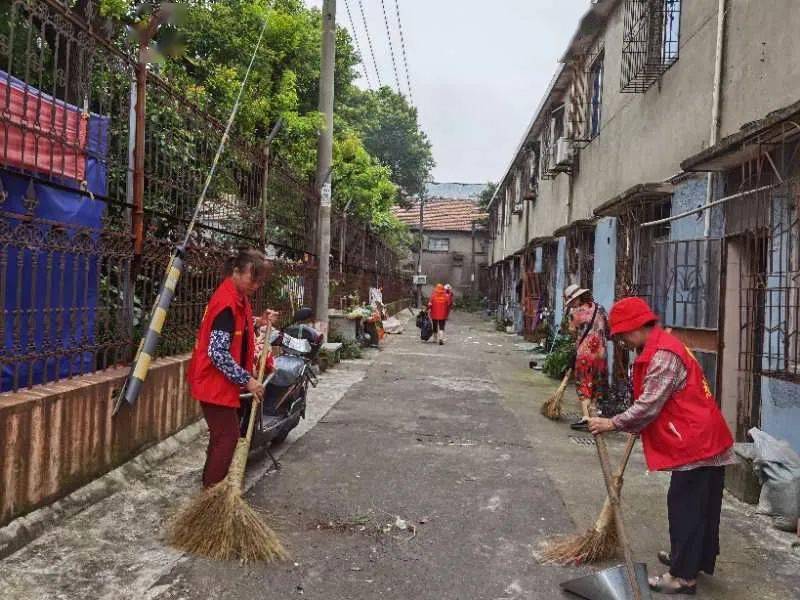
x,y
438,244
766,227
635,246
686,282
650,42
595,104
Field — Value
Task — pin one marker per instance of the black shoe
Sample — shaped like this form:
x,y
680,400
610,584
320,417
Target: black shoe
x,y
581,425
665,558
441,342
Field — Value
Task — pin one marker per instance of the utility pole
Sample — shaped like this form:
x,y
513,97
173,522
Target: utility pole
x,y
473,279
325,160
421,241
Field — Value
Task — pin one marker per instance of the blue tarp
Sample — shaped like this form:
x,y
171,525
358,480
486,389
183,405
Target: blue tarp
x,y
51,295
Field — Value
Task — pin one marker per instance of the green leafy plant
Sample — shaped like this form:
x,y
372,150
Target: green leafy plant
x,y
560,357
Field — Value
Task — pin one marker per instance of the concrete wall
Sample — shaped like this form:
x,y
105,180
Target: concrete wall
x,y
780,410
58,437
762,60
561,280
604,279
440,267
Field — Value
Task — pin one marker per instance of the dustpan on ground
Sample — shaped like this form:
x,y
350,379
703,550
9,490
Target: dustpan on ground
x,y
610,584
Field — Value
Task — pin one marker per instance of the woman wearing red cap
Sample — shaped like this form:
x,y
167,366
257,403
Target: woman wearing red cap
x,y
682,431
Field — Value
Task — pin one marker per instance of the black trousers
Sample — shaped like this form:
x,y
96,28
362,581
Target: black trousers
x,y
694,503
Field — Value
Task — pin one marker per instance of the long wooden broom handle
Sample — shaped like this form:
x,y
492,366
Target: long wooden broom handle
x,y
613,496
262,366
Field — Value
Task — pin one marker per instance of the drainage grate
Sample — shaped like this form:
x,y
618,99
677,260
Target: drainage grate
x,y
571,416
582,440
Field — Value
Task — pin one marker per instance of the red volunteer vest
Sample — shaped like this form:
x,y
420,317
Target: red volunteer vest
x,y
690,427
206,382
440,306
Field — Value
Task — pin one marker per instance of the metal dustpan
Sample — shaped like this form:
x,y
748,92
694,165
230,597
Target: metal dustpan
x,y
609,584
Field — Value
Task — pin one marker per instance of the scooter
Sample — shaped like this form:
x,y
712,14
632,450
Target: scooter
x,y
286,386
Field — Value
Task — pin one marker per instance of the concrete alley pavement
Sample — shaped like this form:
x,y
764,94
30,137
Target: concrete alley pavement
x,y
432,477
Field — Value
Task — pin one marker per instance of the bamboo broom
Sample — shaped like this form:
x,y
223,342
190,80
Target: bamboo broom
x,y
218,523
598,543
553,405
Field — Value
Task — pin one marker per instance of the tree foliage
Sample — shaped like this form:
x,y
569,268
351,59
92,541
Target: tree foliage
x,y
486,195
380,153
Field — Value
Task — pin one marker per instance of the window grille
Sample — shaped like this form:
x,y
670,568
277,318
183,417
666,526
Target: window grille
x,y
438,244
650,42
580,254
686,282
595,104
767,231
635,245
549,143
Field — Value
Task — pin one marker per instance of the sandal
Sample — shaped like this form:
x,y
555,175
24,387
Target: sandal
x,y
657,584
665,558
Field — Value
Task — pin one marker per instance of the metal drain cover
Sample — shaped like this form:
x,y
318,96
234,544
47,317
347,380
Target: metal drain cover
x,y
582,440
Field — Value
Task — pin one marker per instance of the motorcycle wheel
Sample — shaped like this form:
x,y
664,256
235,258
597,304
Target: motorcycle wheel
x,y
284,433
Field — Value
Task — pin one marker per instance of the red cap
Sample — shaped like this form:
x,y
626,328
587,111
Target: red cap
x,y
630,314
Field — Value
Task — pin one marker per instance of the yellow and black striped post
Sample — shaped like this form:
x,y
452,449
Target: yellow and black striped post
x,y
147,348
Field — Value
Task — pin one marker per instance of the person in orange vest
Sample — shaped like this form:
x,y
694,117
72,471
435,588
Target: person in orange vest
x,y
222,359
682,431
439,310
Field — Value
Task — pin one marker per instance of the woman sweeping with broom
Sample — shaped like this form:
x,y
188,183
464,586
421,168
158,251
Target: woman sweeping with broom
x,y
587,321
218,523
682,431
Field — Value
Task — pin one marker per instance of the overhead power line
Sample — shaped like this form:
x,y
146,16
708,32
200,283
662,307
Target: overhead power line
x,y
369,41
358,46
403,48
391,47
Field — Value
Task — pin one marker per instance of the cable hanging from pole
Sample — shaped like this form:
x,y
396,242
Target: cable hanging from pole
x,y
147,348
403,49
391,46
369,42
358,46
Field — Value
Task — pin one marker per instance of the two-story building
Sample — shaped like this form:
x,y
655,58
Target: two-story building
x,y
662,162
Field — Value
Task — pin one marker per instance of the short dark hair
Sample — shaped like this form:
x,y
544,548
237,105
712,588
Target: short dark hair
x,y
248,259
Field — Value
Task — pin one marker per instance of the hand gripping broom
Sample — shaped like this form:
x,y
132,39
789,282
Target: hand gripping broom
x,y
218,523
598,543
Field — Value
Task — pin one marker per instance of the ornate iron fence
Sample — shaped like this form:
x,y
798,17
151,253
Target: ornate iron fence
x,y
76,273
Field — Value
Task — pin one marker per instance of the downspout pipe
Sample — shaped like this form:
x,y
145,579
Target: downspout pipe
x,y
716,106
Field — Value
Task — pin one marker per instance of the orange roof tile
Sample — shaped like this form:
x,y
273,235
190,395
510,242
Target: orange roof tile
x,y
442,215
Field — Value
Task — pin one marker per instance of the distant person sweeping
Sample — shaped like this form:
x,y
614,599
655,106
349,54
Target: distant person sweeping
x,y
682,431
587,321
439,309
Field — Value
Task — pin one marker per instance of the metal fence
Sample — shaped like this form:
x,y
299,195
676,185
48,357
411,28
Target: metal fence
x,y
89,211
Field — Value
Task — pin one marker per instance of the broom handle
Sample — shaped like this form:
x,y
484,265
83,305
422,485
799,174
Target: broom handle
x,y
624,463
613,496
262,365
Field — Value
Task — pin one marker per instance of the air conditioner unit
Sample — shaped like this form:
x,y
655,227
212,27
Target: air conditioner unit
x,y
565,152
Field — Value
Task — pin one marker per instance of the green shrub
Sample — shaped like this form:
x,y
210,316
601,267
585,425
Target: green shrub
x,y
560,357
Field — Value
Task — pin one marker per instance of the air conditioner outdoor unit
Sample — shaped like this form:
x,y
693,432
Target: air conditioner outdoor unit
x,y
565,152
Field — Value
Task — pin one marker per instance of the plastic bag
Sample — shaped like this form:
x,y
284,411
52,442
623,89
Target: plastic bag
x,y
778,468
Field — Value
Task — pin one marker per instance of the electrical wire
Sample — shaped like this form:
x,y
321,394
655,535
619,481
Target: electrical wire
x,y
391,46
403,48
369,41
358,46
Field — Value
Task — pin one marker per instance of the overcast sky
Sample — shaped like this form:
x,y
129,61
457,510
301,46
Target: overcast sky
x,y
478,70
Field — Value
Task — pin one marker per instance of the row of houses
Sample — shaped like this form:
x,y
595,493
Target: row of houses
x,y
662,162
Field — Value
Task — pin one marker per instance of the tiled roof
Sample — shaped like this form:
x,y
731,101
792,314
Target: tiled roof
x,y
442,215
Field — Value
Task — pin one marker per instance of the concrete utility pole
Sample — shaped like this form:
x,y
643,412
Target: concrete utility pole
x,y
421,241
325,160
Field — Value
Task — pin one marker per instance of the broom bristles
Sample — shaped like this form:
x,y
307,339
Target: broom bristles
x,y
553,405
220,525
594,545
